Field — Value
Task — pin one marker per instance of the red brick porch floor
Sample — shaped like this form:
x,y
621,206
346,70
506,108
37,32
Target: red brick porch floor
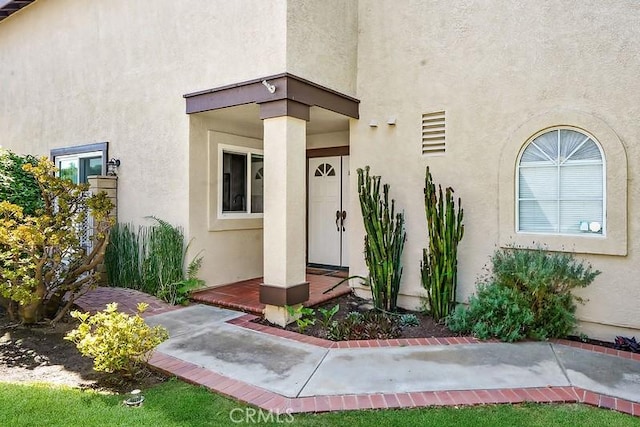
x,y
245,295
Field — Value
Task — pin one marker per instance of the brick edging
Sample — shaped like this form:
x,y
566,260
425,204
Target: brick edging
x,y
279,404
246,321
598,349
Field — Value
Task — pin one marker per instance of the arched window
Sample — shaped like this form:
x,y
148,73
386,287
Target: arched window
x,y
560,184
325,169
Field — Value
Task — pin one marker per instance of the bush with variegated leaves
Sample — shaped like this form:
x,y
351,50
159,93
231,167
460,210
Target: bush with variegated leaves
x,y
117,342
44,265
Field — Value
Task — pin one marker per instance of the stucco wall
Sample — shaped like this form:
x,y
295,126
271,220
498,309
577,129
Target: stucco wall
x,y
322,41
329,139
494,66
229,253
79,72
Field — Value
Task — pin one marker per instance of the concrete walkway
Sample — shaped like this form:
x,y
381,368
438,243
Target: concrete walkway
x,y
285,372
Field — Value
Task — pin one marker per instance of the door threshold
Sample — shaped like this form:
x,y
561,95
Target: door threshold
x,y
326,267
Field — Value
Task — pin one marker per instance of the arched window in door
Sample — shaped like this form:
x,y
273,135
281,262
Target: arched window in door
x,y
325,169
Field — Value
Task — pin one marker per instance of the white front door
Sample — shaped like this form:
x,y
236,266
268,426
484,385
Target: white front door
x,y
328,216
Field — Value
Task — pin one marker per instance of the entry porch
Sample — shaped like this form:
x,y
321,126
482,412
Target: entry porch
x,y
245,295
252,211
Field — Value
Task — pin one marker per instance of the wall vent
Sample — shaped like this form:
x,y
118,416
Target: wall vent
x,y
433,137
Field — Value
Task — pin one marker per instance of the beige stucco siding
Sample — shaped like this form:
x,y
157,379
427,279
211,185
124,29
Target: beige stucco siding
x,y
322,39
326,140
231,249
493,66
83,72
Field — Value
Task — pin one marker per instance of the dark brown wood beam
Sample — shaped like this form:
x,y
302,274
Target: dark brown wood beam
x,y
270,89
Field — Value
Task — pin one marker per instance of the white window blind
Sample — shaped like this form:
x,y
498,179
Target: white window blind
x,y
561,184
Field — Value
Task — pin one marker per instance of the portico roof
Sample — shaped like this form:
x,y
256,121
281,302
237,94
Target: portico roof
x,y
275,93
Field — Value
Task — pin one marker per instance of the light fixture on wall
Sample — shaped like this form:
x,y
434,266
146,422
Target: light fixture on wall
x,y
270,87
391,121
112,167
373,123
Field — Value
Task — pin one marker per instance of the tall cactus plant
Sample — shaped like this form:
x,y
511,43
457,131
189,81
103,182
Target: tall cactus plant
x,y
383,242
440,260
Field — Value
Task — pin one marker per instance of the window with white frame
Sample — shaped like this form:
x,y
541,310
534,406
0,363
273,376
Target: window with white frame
x,y
240,184
78,163
560,184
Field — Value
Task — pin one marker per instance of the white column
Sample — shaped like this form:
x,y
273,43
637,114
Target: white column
x,y
284,211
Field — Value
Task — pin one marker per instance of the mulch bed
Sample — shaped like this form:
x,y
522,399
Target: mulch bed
x,y
427,327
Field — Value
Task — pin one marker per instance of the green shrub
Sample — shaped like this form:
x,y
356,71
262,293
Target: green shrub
x,y
495,311
44,266
179,292
367,326
152,261
409,319
122,257
17,186
116,341
529,295
354,315
546,279
326,315
163,247
304,316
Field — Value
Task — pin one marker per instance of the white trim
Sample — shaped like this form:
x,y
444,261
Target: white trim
x,y
236,149
78,156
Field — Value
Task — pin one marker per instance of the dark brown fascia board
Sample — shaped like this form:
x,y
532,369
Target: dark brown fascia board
x,y
305,92
287,86
342,150
238,94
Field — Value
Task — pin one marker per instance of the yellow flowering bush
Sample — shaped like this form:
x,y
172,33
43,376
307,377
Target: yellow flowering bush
x,y
116,341
43,266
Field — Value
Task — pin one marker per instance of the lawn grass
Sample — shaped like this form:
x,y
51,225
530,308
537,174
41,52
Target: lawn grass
x,y
178,404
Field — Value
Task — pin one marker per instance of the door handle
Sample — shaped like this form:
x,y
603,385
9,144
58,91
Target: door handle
x,y
338,216
344,216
